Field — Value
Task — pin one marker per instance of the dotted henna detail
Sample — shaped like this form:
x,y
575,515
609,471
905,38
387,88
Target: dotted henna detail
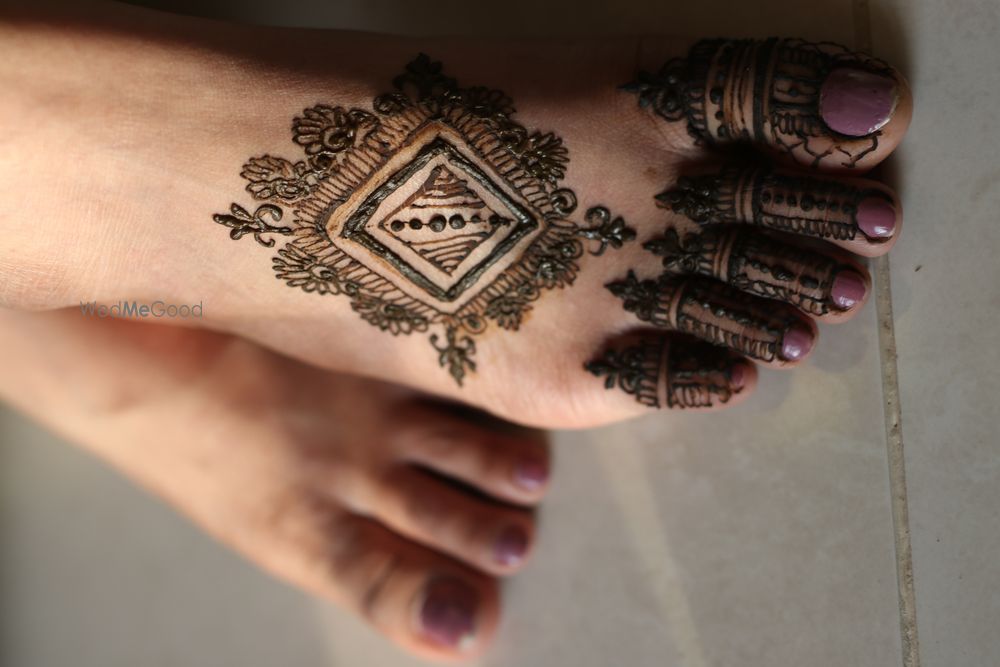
x,y
435,211
752,263
819,207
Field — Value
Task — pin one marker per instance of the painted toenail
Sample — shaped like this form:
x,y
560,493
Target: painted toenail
x,y
876,217
448,612
531,475
856,102
511,546
848,289
796,343
738,376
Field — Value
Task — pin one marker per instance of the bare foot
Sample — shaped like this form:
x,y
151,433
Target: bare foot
x,y
401,509
424,231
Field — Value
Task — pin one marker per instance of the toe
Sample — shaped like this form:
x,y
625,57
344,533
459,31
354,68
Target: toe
x,y
510,466
421,599
767,331
493,537
674,371
860,215
822,283
816,104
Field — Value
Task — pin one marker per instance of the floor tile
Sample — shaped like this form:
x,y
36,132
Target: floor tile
x,y
946,298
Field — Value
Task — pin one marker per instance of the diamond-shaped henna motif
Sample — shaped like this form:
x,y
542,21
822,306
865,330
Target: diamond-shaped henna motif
x,y
430,212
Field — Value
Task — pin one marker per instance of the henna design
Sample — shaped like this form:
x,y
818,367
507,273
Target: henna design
x,y
607,231
243,223
456,354
326,132
753,263
276,178
824,208
763,90
301,269
708,310
668,372
435,209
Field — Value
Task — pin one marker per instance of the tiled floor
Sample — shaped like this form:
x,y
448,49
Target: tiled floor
x,y
700,546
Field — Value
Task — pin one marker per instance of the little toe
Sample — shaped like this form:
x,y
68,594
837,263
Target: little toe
x,y
492,537
815,104
860,215
674,371
510,466
423,600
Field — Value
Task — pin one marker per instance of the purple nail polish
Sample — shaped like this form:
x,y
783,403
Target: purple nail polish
x,y
848,289
876,217
856,102
511,546
796,343
737,376
448,612
531,475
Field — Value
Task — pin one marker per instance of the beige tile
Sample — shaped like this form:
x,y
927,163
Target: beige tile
x,y
689,541
946,288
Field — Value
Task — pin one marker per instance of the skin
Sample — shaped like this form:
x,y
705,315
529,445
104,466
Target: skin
x,y
156,113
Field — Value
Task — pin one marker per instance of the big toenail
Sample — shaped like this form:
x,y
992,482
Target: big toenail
x,y
856,102
848,289
876,217
448,612
511,546
531,475
796,343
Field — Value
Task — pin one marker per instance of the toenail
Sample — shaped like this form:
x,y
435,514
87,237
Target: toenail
x,y
531,475
848,289
856,102
448,612
511,546
876,217
796,343
738,376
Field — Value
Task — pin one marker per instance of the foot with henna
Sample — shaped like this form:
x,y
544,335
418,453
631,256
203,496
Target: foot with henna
x,y
496,222
562,234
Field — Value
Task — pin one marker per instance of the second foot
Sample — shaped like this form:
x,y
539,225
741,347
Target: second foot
x,y
403,510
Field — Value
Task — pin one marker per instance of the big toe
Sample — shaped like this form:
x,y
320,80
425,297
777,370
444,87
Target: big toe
x,y
424,601
820,105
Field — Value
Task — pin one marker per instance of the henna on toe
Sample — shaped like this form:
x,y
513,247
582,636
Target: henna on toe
x,y
757,264
819,104
673,372
859,215
719,314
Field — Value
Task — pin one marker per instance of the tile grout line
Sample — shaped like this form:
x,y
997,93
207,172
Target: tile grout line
x,y
893,416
